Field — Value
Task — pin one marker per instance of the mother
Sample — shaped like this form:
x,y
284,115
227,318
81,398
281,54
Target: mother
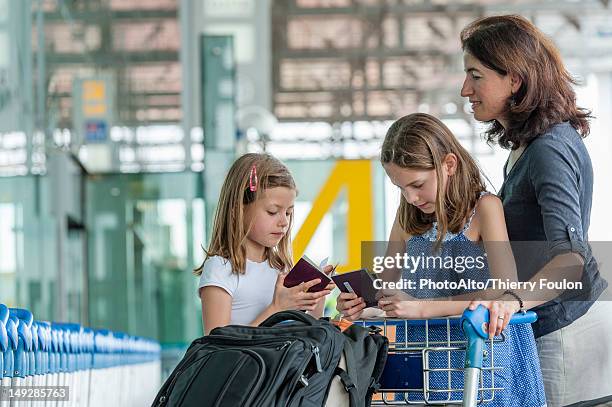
x,y
516,83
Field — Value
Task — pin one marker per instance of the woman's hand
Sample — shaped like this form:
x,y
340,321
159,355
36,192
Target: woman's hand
x,y
350,306
298,297
500,313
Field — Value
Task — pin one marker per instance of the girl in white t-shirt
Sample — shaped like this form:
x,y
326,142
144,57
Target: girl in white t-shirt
x,y
241,279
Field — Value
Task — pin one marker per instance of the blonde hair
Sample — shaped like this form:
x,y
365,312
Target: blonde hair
x,y
420,141
229,231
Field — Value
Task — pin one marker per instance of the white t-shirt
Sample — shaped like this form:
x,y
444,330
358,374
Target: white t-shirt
x,y
251,292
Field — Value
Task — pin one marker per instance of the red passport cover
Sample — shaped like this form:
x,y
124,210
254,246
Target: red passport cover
x,y
303,272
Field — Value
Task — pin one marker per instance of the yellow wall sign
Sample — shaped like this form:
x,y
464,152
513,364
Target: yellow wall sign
x,y
94,98
356,177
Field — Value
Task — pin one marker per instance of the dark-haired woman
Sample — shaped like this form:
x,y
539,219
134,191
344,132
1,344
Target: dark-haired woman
x,y
516,82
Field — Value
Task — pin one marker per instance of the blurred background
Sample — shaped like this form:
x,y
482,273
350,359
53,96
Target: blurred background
x,y
120,118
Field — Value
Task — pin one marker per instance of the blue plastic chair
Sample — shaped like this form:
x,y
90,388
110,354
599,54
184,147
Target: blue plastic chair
x,y
42,357
98,359
63,347
34,351
57,342
38,346
121,350
9,354
23,320
4,340
72,344
88,348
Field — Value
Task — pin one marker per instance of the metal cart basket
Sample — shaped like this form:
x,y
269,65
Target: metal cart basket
x,y
444,361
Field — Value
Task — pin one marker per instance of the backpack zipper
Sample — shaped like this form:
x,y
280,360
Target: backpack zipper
x,y
181,366
163,399
232,340
287,330
315,352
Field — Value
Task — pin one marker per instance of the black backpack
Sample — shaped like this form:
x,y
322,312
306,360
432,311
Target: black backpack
x,y
365,351
289,360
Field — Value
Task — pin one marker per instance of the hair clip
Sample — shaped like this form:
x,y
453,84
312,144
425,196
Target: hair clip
x,y
253,179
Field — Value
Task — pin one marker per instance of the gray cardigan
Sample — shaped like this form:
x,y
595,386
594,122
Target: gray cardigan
x,y
547,199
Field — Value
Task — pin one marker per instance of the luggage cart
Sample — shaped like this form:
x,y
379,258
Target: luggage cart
x,y
443,361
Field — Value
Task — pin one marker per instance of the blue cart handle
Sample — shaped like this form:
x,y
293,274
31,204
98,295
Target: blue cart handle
x,y
480,316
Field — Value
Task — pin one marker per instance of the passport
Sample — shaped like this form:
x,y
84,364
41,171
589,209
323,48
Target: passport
x,y
359,282
305,270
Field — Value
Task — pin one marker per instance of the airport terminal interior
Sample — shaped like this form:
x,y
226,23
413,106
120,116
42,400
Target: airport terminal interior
x,y
119,120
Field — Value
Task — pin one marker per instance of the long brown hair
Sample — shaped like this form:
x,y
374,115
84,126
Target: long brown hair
x,y
510,44
229,230
420,141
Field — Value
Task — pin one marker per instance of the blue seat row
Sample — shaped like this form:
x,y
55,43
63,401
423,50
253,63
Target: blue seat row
x,y
29,347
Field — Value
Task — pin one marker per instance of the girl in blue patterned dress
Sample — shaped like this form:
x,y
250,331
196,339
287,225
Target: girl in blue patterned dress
x,y
446,217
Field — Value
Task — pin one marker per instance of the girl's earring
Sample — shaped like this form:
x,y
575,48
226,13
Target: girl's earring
x,y
512,102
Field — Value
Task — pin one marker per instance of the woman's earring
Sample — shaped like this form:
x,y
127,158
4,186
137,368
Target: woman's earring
x,y
512,102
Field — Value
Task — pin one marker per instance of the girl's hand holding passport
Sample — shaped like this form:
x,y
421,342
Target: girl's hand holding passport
x,y
359,282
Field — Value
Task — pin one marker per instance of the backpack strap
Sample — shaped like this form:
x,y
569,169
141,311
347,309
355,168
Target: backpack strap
x,y
348,384
289,315
382,344
372,388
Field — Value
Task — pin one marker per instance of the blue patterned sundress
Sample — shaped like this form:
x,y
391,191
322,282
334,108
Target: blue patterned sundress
x,y
520,376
